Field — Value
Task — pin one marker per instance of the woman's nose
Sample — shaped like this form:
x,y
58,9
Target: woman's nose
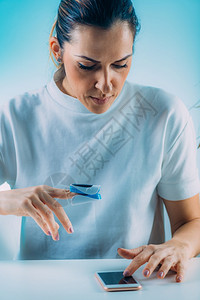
x,y
104,83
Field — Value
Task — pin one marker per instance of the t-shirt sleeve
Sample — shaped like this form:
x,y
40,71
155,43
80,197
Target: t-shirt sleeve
x,y
180,178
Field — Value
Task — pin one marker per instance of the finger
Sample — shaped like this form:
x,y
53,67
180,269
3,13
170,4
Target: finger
x,y
180,272
156,260
47,216
58,210
130,253
167,264
33,213
138,261
59,193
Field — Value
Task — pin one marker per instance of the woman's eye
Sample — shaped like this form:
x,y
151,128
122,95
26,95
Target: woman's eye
x,y
85,67
81,66
120,67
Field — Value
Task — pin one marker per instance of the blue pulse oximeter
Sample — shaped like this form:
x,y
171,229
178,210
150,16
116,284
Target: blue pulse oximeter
x,y
87,193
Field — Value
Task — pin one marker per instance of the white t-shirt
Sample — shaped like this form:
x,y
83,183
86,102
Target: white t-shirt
x,y
143,147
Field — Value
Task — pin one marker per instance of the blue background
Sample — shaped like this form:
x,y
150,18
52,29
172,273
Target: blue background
x,y
167,55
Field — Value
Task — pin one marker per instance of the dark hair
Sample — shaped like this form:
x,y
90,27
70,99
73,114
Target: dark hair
x,y
99,13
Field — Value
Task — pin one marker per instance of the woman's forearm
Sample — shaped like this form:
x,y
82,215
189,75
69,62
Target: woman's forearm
x,y
189,234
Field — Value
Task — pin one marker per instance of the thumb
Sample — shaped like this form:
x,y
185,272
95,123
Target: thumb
x,y
130,253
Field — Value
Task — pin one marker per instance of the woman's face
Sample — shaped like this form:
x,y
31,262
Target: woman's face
x,y
96,64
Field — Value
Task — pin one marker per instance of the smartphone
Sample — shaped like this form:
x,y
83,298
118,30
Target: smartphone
x,y
115,281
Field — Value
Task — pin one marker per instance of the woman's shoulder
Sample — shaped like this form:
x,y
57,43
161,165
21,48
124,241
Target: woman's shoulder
x,y
161,99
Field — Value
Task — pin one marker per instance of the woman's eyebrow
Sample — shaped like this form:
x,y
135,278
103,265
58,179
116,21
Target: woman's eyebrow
x,y
96,61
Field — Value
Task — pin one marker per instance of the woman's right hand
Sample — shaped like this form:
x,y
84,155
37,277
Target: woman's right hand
x,y
38,202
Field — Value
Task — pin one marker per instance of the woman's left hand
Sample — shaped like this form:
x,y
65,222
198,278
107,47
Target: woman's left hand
x,y
172,255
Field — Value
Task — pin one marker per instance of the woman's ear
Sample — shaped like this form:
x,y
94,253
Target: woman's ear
x,y
55,47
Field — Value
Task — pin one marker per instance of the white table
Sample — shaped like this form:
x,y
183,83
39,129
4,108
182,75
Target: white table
x,y
74,279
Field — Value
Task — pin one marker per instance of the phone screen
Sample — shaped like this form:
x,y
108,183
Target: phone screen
x,y
113,278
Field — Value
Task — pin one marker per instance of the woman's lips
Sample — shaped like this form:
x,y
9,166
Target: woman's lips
x,y
100,101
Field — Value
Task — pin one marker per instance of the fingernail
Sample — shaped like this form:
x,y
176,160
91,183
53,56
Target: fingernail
x,y
179,278
146,273
161,274
71,229
49,233
126,273
57,237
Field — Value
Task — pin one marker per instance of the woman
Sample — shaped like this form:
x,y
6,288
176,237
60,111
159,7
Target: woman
x,y
90,125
